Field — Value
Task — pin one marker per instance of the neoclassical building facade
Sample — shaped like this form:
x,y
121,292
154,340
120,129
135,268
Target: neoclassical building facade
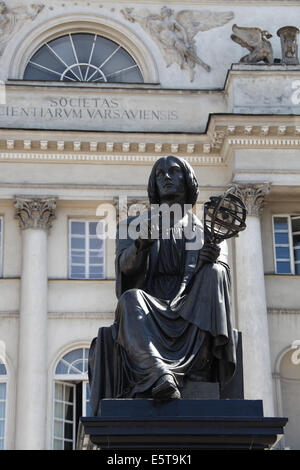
x,y
91,94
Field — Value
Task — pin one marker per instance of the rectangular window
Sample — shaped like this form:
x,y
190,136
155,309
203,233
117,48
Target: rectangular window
x,y
286,234
86,250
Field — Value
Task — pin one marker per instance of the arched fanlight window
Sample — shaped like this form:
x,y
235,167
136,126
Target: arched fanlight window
x,y
71,397
3,393
83,57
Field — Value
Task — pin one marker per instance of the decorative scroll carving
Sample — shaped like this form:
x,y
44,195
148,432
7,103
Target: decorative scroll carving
x,y
35,213
256,41
253,196
175,32
12,19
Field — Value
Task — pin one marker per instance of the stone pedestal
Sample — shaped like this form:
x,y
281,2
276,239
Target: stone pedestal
x,y
35,217
179,424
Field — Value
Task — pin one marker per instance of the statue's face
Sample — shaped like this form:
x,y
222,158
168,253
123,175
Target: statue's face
x,y
170,180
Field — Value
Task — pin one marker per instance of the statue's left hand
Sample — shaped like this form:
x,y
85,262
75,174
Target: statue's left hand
x,y
209,253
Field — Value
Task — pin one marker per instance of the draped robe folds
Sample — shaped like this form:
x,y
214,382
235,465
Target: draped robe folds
x,y
169,319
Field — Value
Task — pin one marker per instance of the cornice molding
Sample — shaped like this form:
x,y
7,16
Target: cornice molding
x,y
224,133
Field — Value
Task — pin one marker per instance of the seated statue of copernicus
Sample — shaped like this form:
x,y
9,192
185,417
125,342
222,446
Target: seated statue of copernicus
x,y
173,317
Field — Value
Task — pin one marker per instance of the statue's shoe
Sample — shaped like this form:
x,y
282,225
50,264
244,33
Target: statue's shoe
x,y
165,388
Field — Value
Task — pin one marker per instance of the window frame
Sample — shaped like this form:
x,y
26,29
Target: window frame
x,y
69,73
87,250
291,258
70,380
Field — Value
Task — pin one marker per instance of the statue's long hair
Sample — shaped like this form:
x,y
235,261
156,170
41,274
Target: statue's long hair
x,y
191,182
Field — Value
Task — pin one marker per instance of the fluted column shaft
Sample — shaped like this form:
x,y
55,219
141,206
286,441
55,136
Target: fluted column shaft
x,y
35,217
251,300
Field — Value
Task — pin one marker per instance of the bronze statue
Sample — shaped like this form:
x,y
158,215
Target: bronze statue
x,y
256,41
173,318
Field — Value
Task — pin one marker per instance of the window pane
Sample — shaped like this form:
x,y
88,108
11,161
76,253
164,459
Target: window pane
x,y
2,369
96,269
296,224
282,252
69,394
69,412
296,240
297,254
297,268
58,444
78,243
69,430
1,444
59,391
280,223
2,428
95,259
73,355
78,228
68,445
2,409
61,368
59,410
78,271
2,391
283,267
95,243
93,228
58,428
78,258
281,238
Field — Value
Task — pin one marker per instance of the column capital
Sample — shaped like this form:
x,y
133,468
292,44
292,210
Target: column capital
x,y
252,195
36,213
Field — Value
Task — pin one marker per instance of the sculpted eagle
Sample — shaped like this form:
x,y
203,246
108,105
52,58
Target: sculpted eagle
x,y
256,41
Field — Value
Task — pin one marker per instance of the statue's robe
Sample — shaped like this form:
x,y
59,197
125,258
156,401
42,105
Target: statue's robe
x,y
169,318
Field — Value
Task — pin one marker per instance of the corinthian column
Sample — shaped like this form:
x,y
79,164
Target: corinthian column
x,y
251,299
35,218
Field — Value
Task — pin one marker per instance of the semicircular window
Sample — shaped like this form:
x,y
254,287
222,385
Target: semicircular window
x,y
83,57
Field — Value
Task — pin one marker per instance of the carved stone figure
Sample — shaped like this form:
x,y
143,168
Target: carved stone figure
x,y
173,317
175,32
12,19
256,41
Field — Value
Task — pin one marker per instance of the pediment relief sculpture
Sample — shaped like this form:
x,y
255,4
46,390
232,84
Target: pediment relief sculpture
x,y
256,41
175,33
12,19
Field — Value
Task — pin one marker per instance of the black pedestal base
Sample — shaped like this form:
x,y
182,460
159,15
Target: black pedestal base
x,y
180,424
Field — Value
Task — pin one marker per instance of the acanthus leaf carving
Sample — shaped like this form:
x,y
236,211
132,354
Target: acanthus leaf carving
x,y
36,213
252,195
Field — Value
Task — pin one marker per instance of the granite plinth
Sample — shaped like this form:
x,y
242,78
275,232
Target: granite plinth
x,y
180,424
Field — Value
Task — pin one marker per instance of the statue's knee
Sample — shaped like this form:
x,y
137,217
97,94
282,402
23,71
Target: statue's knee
x,y
128,296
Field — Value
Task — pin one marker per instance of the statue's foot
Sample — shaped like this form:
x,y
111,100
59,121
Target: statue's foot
x,y
165,388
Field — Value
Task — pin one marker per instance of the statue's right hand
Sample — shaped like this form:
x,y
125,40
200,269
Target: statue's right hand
x,y
149,230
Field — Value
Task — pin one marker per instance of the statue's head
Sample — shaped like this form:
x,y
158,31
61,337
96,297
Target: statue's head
x,y
172,178
166,12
